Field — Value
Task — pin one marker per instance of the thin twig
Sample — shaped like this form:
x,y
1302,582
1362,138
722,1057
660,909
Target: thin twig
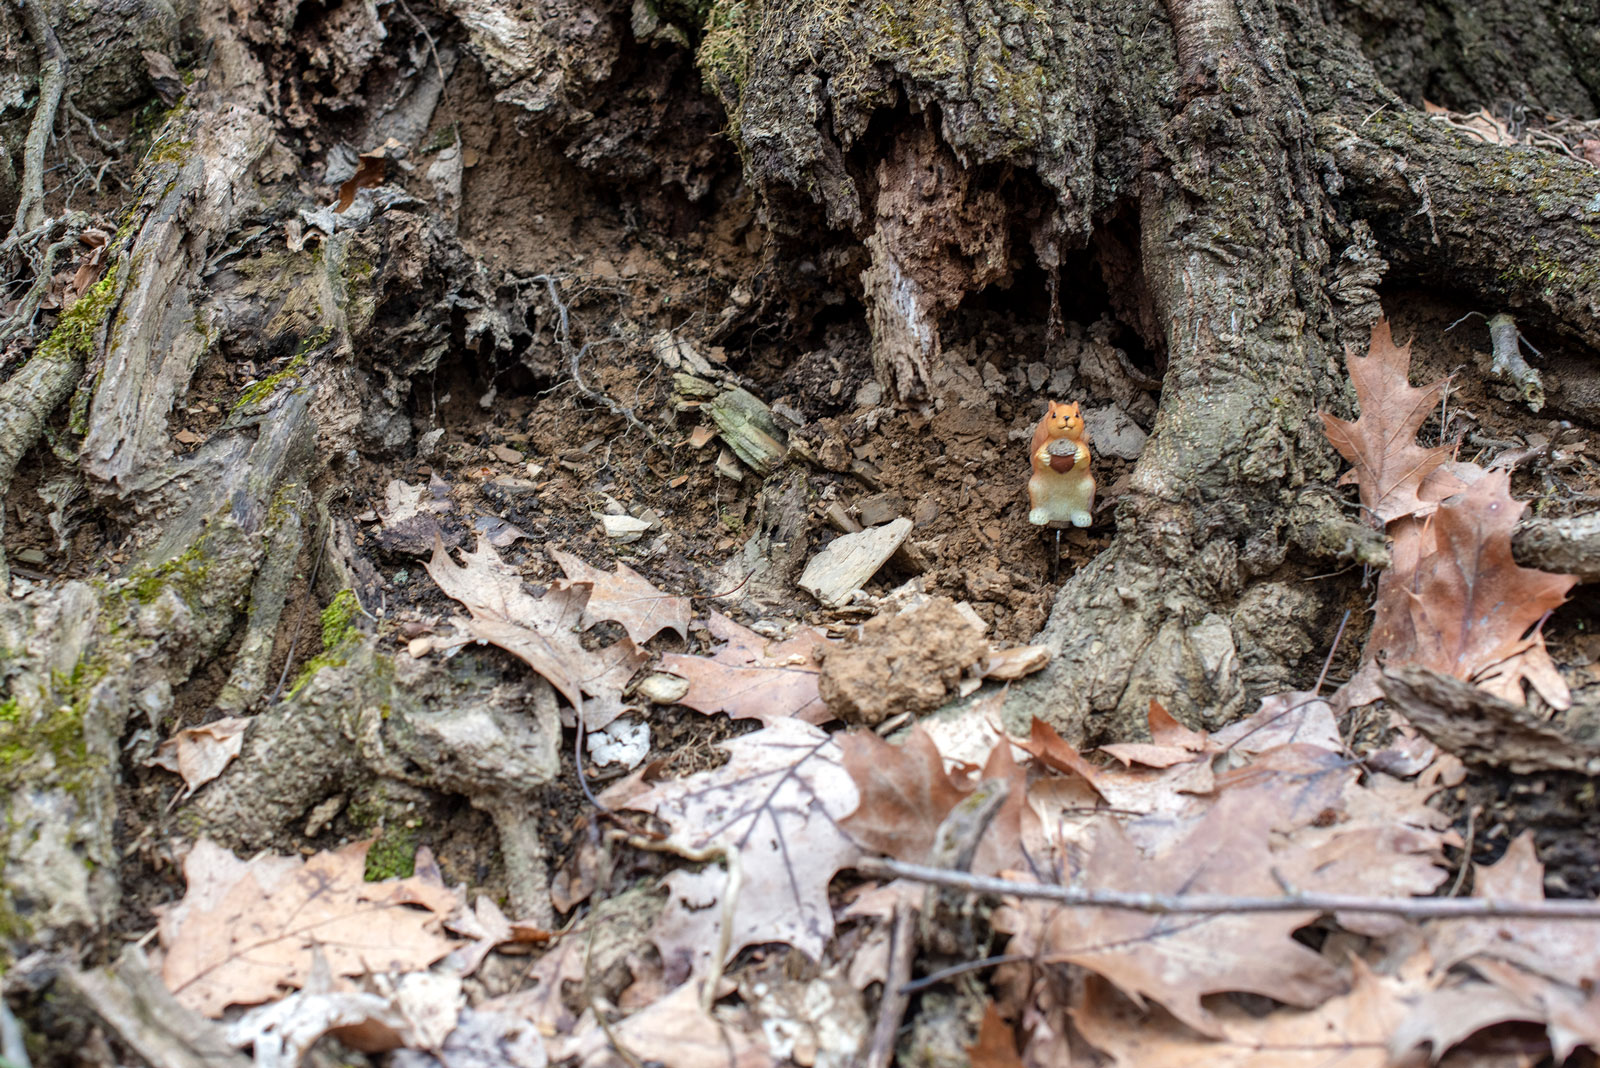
x,y
1466,852
575,358
1425,908
896,989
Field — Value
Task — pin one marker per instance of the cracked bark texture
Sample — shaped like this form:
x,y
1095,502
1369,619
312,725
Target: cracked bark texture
x,y
1274,178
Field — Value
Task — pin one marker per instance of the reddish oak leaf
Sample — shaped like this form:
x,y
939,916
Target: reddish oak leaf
x,y
752,678
1455,601
1474,610
1170,743
1388,464
906,793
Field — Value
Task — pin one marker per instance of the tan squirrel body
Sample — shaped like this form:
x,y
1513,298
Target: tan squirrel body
x,y
1061,490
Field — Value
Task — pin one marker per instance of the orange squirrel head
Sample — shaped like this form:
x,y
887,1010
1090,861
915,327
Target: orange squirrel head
x,y
1063,421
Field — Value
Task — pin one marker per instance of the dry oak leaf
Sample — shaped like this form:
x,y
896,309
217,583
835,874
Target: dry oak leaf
x,y
1474,610
627,597
199,754
1350,1030
247,930
995,1046
1178,959
906,793
753,678
674,1032
1389,466
542,632
778,802
1562,950
1170,743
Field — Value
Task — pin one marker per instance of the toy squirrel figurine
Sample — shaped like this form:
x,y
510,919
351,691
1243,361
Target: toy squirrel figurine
x,y
1061,490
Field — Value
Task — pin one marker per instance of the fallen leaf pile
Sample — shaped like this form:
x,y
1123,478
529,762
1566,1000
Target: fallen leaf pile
x,y
772,938
1453,600
249,930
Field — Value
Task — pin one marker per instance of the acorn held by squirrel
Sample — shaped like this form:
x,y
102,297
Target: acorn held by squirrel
x,y
1061,490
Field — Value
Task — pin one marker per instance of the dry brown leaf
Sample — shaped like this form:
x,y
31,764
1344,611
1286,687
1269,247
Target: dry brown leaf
x,y
1474,610
778,802
906,793
200,753
995,1047
674,1032
1170,743
627,597
543,632
1562,950
752,678
1388,464
370,173
1350,1030
247,930
1176,960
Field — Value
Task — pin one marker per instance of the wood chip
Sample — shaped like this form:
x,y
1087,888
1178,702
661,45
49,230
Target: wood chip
x,y
506,454
837,572
1014,663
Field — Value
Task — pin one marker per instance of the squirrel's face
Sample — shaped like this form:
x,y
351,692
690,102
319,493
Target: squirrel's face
x,y
1063,419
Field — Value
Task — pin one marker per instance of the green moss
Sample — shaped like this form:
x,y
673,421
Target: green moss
x,y
335,657
393,855
338,619
265,388
186,574
73,337
260,391
56,735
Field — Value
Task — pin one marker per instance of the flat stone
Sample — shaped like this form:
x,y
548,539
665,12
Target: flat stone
x,y
838,571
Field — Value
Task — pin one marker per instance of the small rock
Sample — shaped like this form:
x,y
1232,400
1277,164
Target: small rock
x,y
663,689
624,741
880,508
1112,433
419,647
506,454
1038,375
869,395
1061,382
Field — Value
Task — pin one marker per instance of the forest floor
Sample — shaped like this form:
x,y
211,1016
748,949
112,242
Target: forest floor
x,y
533,466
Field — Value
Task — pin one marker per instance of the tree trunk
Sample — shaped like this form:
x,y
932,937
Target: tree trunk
x,y
1236,173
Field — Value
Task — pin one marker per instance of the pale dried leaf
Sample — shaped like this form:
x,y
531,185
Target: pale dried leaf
x,y
752,678
778,801
1349,1030
247,930
543,632
199,754
627,597
676,1033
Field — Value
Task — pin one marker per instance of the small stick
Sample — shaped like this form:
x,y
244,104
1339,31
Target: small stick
x,y
1425,908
